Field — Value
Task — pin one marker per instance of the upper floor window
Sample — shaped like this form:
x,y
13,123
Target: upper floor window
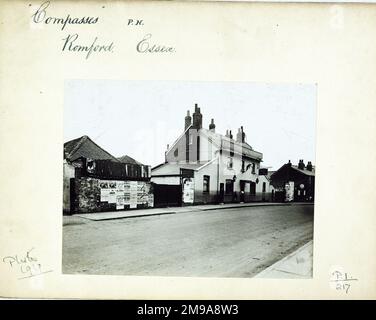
x,y
264,187
230,163
253,167
243,166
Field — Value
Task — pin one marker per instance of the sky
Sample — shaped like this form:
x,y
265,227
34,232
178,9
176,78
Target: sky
x,y
139,118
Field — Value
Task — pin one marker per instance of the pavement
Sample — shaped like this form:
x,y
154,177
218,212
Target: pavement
x,y
297,265
98,216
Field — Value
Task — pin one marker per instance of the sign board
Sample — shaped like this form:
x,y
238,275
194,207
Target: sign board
x,y
126,193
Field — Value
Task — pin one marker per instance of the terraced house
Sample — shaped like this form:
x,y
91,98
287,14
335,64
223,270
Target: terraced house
x,y
203,166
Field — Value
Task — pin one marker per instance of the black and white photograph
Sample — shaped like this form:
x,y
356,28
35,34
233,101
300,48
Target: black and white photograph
x,y
189,178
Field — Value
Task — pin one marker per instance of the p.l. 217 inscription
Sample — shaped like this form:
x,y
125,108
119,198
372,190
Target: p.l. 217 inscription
x,y
341,281
25,265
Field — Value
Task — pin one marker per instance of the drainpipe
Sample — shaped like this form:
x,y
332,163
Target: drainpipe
x,y
218,175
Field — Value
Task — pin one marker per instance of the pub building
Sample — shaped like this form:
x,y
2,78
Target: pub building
x,y
203,166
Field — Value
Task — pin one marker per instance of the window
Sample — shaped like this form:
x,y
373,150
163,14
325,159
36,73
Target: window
x,y
230,163
253,168
243,166
264,187
231,148
176,152
229,186
206,184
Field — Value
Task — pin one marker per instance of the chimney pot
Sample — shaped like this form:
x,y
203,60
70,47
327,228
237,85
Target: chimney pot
x,y
188,120
239,136
212,125
301,164
197,118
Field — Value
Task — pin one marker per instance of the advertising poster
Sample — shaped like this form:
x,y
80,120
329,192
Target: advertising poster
x,y
133,194
119,202
289,187
188,190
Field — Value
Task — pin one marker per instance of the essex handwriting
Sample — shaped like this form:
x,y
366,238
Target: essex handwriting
x,y
145,46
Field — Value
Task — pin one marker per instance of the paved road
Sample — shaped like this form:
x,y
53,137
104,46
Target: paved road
x,y
218,243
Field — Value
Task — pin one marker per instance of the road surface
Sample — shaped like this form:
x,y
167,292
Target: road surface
x,y
237,242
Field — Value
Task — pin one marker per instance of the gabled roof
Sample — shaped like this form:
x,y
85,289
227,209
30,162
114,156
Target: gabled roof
x,y
87,148
177,140
303,171
128,159
223,142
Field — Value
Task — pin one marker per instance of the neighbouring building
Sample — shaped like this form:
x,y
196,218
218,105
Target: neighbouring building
x,y
203,166
94,180
267,190
294,182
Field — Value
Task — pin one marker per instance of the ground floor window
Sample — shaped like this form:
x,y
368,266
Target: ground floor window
x,y
264,187
206,184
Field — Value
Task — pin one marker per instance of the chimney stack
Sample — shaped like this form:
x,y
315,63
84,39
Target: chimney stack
x,y
240,136
212,126
188,120
301,165
309,166
197,118
230,135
